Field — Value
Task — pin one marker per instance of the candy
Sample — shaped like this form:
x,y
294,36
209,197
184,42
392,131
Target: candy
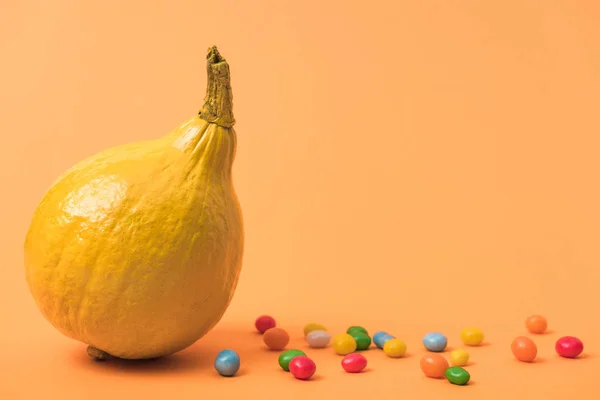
x,y
472,336
524,349
459,358
302,367
356,328
227,362
264,323
313,326
457,375
344,344
354,362
318,339
363,341
435,342
379,338
536,324
276,338
287,356
569,347
434,365
394,348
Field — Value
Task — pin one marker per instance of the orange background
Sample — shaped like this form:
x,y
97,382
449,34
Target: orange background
x,y
410,166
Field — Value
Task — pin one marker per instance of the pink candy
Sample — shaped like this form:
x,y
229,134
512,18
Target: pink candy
x,y
354,362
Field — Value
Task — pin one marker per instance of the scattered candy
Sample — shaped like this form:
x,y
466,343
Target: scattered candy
x,y
287,356
458,376
394,348
434,365
344,344
313,326
459,358
302,367
276,338
354,362
569,347
363,341
435,342
227,363
536,324
379,338
356,328
524,349
318,339
264,323
472,336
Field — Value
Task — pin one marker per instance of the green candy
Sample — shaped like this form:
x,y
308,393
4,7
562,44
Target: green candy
x,y
458,375
287,356
363,341
357,328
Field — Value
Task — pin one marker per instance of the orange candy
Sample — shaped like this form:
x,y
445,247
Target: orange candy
x,y
524,349
276,338
536,324
434,365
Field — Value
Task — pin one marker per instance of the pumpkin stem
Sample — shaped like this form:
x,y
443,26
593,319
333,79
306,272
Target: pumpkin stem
x,y
218,102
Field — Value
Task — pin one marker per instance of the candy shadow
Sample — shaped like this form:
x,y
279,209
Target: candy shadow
x,y
582,356
538,360
545,333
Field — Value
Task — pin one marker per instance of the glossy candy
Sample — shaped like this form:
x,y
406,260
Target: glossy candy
x,y
363,341
287,356
569,347
354,362
264,323
356,328
379,338
459,358
227,363
435,342
458,375
394,348
472,336
434,365
318,339
536,324
344,344
302,367
524,349
313,326
276,339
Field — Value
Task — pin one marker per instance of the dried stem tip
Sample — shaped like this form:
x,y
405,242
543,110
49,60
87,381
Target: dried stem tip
x,y
218,103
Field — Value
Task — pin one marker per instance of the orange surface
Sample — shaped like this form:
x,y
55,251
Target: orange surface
x,y
410,166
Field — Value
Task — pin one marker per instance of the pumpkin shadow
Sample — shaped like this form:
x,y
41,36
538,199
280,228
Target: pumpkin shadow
x,y
198,357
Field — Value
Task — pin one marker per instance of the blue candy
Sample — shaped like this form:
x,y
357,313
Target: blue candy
x,y
227,363
379,338
435,342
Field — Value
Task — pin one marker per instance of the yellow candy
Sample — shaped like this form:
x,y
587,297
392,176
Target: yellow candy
x,y
459,358
472,336
394,348
344,344
313,326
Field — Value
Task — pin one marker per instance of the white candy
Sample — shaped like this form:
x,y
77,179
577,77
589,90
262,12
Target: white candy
x,y
318,339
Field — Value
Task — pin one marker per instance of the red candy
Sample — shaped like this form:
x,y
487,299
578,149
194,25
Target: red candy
x,y
354,362
569,347
302,367
264,323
